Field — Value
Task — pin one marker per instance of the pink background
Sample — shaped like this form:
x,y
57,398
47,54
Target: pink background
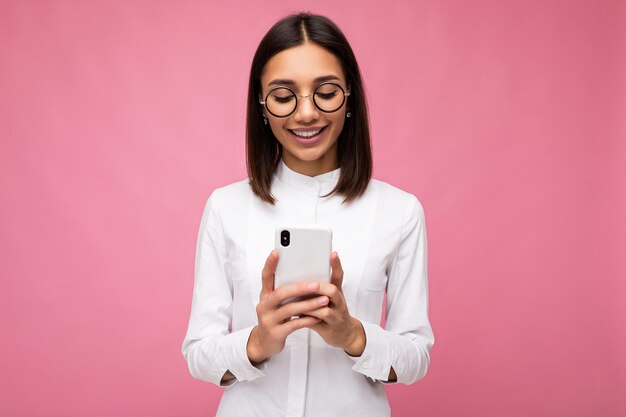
x,y
505,118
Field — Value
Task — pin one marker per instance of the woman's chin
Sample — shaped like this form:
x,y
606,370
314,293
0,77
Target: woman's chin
x,y
308,154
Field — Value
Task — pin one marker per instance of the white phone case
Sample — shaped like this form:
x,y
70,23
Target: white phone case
x,y
307,256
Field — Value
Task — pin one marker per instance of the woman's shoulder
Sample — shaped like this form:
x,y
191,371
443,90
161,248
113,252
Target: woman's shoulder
x,y
228,194
399,198
405,206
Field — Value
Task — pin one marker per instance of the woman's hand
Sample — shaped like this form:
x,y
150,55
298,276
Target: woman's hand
x,y
274,321
337,327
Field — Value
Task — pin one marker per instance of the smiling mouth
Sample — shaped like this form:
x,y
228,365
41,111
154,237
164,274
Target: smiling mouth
x,y
308,134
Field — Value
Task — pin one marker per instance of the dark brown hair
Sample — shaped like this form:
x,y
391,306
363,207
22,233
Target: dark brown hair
x,y
263,151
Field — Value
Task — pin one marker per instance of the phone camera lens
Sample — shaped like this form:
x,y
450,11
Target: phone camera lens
x,y
284,238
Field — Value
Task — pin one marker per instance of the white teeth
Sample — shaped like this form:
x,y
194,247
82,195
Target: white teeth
x,y
306,134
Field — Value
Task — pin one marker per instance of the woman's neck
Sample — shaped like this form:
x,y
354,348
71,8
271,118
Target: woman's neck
x,y
326,163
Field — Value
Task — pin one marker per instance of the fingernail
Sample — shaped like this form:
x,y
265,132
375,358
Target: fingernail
x,y
313,285
322,300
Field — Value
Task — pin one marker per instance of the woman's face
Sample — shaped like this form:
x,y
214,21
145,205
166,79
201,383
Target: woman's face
x,y
302,65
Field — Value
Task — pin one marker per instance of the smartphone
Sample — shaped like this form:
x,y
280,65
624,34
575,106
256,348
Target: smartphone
x,y
304,255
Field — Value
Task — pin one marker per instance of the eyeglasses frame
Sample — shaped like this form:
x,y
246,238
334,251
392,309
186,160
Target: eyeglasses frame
x,y
345,95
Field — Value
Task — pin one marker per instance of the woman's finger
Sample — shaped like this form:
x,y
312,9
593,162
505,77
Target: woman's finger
x,y
298,307
336,276
325,314
303,288
267,274
295,324
335,294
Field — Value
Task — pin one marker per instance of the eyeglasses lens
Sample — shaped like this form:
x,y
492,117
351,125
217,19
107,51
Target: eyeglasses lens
x,y
328,98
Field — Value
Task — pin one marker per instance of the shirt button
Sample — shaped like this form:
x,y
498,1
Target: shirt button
x,y
366,364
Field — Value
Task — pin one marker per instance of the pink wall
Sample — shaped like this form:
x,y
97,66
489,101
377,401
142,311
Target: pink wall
x,y
505,118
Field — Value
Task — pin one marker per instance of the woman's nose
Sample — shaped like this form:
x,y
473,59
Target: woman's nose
x,y
306,109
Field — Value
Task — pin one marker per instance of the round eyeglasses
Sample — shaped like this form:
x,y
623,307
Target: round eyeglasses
x,y
327,97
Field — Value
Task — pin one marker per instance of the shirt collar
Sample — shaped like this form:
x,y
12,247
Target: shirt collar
x,y
318,184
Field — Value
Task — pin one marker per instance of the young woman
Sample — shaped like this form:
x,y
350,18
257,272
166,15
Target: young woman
x,y
309,161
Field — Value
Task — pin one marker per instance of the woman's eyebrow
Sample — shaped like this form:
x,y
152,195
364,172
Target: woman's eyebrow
x,y
317,80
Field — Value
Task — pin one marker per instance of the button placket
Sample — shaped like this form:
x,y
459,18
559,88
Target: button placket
x,y
313,184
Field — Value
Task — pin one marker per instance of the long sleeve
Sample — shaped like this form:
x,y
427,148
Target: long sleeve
x,y
407,339
209,348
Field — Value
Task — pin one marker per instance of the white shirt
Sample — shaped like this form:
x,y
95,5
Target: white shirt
x,y
381,241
